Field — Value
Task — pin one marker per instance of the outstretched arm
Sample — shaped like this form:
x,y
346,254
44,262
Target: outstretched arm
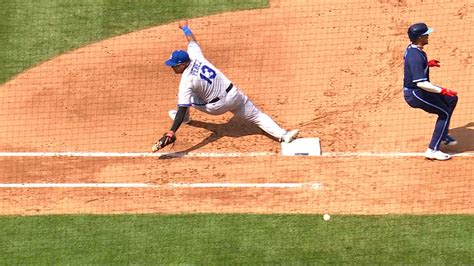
x,y
170,136
193,47
178,120
183,24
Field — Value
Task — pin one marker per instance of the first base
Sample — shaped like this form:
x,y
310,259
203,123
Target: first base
x,y
302,146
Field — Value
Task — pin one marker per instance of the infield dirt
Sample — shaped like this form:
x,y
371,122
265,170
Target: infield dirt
x,y
326,69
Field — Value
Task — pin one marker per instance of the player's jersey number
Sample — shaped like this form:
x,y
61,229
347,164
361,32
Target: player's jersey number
x,y
207,74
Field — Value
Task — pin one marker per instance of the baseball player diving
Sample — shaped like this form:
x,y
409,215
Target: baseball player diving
x,y
419,92
207,89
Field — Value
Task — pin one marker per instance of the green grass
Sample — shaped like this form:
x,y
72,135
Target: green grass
x,y
32,31
236,239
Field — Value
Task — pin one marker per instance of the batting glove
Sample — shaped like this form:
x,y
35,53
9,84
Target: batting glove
x,y
433,63
447,92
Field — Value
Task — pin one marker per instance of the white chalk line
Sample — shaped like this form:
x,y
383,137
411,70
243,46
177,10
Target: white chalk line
x,y
134,154
215,154
171,185
77,185
388,154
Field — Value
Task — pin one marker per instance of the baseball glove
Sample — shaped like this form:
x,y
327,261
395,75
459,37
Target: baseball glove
x,y
167,139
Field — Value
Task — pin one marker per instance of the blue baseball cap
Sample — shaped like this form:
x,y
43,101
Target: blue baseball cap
x,y
177,57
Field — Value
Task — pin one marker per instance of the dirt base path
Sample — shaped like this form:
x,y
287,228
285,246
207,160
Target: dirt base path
x,y
303,64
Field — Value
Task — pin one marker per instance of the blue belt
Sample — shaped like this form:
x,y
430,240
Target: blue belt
x,y
226,90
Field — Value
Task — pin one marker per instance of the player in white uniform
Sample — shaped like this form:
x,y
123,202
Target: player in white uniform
x,y
207,89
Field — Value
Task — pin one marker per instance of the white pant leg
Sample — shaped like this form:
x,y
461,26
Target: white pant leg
x,y
199,104
251,113
240,105
220,107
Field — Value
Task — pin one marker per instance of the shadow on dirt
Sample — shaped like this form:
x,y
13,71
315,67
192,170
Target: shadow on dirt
x,y
234,128
465,137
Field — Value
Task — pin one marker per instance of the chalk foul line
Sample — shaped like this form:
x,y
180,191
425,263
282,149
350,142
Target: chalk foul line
x,y
215,154
135,154
171,185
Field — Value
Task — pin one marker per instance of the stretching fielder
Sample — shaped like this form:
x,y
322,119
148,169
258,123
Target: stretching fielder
x,y
207,89
420,93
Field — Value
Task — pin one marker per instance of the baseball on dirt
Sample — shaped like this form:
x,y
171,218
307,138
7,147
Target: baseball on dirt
x,y
326,217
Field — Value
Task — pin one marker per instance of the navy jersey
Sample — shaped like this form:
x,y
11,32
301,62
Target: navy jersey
x,y
416,67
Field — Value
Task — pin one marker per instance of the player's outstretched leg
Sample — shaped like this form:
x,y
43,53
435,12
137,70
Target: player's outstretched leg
x,y
290,135
251,113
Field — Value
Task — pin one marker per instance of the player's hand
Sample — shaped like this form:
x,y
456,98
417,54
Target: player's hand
x,y
449,93
433,63
183,23
168,138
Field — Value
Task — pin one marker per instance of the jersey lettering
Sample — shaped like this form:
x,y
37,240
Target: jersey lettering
x,y
207,74
195,68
